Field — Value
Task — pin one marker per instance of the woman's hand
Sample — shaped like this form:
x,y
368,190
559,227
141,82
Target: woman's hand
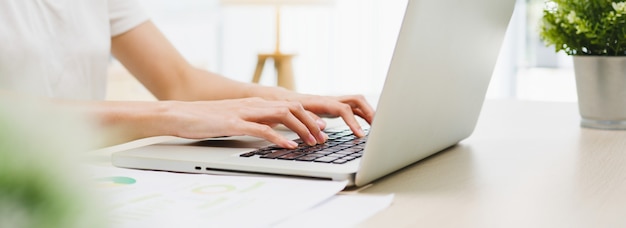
x,y
345,107
248,116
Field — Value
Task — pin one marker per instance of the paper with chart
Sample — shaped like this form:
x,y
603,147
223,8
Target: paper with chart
x,y
339,211
160,199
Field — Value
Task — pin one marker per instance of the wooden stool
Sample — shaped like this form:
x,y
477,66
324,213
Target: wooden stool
x,y
284,69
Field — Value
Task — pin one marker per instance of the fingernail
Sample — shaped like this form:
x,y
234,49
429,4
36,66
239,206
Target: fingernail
x,y
323,136
293,144
361,132
312,141
321,123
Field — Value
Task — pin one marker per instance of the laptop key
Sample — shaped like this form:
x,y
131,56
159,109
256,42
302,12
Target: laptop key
x,y
320,154
352,150
341,146
310,150
307,158
291,156
335,155
277,153
325,159
249,154
264,152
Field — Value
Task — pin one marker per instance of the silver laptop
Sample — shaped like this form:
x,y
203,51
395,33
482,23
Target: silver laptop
x,y
442,64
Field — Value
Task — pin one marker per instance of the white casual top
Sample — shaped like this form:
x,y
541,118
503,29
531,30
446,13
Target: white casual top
x,y
61,48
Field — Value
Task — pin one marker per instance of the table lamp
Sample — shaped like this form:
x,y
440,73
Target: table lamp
x,y
282,61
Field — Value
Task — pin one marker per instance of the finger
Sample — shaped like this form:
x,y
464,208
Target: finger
x,y
309,121
320,122
339,109
296,125
357,102
266,132
282,114
345,111
359,112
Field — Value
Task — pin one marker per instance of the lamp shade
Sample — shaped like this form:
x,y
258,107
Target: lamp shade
x,y
276,2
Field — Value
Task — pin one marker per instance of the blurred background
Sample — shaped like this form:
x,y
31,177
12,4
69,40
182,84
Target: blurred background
x,y
343,48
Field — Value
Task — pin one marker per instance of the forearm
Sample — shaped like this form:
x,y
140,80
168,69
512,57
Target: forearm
x,y
111,122
124,121
116,122
204,85
147,54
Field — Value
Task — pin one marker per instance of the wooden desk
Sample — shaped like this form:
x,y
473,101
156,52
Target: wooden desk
x,y
528,164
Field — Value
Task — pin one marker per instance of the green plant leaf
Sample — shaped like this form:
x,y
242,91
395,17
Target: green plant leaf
x,y
585,27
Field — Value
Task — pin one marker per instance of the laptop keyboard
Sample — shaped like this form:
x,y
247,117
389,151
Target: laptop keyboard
x,y
341,147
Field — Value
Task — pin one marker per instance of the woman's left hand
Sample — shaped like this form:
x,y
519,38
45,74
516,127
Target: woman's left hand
x,y
346,107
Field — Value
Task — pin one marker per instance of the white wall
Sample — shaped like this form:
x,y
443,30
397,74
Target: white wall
x,y
342,49
191,25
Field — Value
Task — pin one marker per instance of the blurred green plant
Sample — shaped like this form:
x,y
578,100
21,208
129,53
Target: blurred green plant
x,y
37,186
585,27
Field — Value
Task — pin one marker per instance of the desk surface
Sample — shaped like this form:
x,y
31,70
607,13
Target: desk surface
x,y
528,164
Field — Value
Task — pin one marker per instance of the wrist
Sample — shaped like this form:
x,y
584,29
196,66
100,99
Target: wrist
x,y
270,92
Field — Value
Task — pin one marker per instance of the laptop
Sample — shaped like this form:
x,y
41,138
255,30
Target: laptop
x,y
434,90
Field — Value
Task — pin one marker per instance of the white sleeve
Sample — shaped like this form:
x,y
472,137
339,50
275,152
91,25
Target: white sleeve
x,y
125,15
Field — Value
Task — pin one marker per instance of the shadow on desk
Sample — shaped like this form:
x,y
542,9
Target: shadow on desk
x,y
448,171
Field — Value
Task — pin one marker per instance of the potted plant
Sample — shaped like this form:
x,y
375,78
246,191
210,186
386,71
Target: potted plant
x,y
594,33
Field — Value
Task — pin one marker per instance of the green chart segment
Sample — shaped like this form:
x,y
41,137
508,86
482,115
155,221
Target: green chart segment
x,y
117,180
